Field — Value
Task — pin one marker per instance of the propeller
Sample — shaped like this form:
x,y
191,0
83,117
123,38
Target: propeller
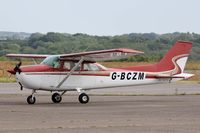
x,y
17,68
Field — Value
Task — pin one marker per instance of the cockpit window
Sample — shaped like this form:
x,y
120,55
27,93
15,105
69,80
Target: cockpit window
x,y
52,61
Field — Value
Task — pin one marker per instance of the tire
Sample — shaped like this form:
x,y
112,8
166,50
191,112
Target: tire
x,y
83,98
31,100
56,98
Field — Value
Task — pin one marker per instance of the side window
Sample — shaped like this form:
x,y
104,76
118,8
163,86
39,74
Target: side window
x,y
90,67
67,65
86,67
94,67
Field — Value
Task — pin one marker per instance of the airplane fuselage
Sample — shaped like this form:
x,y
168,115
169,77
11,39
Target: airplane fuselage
x,y
86,80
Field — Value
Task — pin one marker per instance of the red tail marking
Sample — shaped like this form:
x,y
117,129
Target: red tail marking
x,y
179,50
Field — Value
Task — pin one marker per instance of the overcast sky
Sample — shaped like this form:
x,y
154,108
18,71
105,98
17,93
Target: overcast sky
x,y
100,17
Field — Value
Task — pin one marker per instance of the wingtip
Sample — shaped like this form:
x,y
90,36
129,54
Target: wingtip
x,y
126,50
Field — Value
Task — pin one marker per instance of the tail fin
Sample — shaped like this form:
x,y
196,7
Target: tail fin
x,y
173,63
176,58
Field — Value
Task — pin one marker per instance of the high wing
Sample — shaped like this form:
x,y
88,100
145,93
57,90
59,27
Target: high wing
x,y
38,56
102,55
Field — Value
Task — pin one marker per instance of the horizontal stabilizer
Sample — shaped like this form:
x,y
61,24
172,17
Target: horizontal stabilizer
x,y
182,75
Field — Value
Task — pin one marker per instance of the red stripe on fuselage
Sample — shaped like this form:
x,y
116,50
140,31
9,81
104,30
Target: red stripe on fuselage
x,y
57,73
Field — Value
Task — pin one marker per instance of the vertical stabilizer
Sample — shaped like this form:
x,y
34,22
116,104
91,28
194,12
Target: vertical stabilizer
x,y
175,59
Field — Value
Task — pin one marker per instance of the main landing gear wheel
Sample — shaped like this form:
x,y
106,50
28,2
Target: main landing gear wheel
x,y
31,99
83,98
56,98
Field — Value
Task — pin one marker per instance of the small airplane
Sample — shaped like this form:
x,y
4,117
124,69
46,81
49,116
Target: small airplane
x,y
80,71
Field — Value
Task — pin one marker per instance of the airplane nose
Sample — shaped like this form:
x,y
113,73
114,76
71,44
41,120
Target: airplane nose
x,y
16,69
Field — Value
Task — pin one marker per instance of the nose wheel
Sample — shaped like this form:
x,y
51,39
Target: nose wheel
x,y
56,98
31,99
83,98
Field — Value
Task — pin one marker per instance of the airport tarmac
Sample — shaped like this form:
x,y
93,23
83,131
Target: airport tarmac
x,y
105,112
155,89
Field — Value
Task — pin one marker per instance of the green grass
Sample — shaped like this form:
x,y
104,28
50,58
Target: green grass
x,y
7,80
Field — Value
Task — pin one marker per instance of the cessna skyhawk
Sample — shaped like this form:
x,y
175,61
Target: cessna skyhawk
x,y
80,71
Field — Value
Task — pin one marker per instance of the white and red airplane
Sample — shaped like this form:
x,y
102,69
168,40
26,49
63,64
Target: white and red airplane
x,y
80,72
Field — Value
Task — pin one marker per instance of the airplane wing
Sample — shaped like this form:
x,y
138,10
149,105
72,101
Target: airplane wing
x,y
26,56
102,55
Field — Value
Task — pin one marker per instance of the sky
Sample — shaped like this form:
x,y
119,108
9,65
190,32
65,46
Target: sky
x,y
100,17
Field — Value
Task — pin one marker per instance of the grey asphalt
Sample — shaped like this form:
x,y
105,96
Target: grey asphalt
x,y
104,114
155,89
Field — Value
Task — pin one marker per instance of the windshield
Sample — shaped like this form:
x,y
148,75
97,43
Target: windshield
x,y
52,61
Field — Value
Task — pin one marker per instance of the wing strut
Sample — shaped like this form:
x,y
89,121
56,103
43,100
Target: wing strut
x,y
72,70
